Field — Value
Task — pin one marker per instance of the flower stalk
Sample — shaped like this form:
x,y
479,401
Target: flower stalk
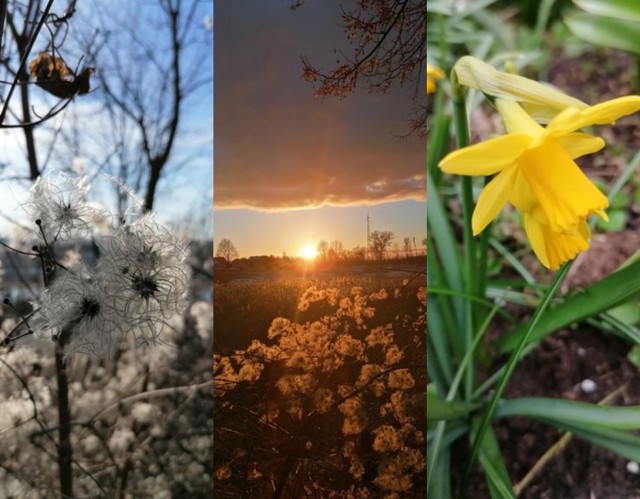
x,y
462,140
506,376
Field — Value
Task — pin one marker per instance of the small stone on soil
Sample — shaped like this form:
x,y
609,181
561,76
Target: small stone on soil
x,y
588,386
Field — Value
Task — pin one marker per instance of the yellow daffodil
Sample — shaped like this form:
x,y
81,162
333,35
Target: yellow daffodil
x,y
536,173
535,168
433,74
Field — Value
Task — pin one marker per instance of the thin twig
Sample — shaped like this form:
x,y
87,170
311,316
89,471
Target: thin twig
x,y
153,394
24,59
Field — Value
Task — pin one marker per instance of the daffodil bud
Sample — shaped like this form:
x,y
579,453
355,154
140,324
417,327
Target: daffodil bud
x,y
541,101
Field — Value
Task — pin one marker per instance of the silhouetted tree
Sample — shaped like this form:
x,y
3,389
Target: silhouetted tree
x,y
388,41
407,246
358,253
380,241
226,250
323,249
336,249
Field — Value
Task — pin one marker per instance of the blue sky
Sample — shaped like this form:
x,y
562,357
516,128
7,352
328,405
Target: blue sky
x,y
185,194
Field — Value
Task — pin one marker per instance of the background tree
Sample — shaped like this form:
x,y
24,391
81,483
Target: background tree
x,y
388,46
146,84
358,253
226,250
323,249
336,249
407,246
380,241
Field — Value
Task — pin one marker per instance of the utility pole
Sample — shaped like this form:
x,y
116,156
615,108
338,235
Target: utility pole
x,y
368,238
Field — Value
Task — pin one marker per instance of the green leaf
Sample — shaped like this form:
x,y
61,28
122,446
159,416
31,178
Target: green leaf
x,y
634,356
621,442
620,200
621,286
438,409
617,33
438,141
498,488
622,9
601,425
440,485
491,459
444,243
627,313
569,411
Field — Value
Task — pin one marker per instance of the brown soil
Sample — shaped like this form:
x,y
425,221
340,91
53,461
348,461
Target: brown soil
x,y
556,369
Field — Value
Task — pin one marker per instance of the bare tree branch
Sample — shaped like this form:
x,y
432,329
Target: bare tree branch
x,y
388,40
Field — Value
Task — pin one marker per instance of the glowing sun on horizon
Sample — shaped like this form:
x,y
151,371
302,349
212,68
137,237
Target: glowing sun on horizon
x,y
308,252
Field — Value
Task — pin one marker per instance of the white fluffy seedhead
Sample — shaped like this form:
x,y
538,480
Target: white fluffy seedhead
x,y
138,283
61,209
78,314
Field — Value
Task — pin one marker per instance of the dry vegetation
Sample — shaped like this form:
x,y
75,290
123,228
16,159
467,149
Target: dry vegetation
x,y
328,400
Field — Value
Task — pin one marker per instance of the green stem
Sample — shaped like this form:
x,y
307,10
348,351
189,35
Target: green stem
x,y
508,371
462,140
483,260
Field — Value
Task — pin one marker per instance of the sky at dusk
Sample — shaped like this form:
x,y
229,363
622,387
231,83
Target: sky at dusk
x,y
289,168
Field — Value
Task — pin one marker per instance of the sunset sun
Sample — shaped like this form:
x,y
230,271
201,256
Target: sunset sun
x,y
308,252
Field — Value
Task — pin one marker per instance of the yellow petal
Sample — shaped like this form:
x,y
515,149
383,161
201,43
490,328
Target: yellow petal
x,y
602,214
522,197
516,120
555,248
600,114
492,199
485,158
584,230
564,193
434,72
535,234
579,144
